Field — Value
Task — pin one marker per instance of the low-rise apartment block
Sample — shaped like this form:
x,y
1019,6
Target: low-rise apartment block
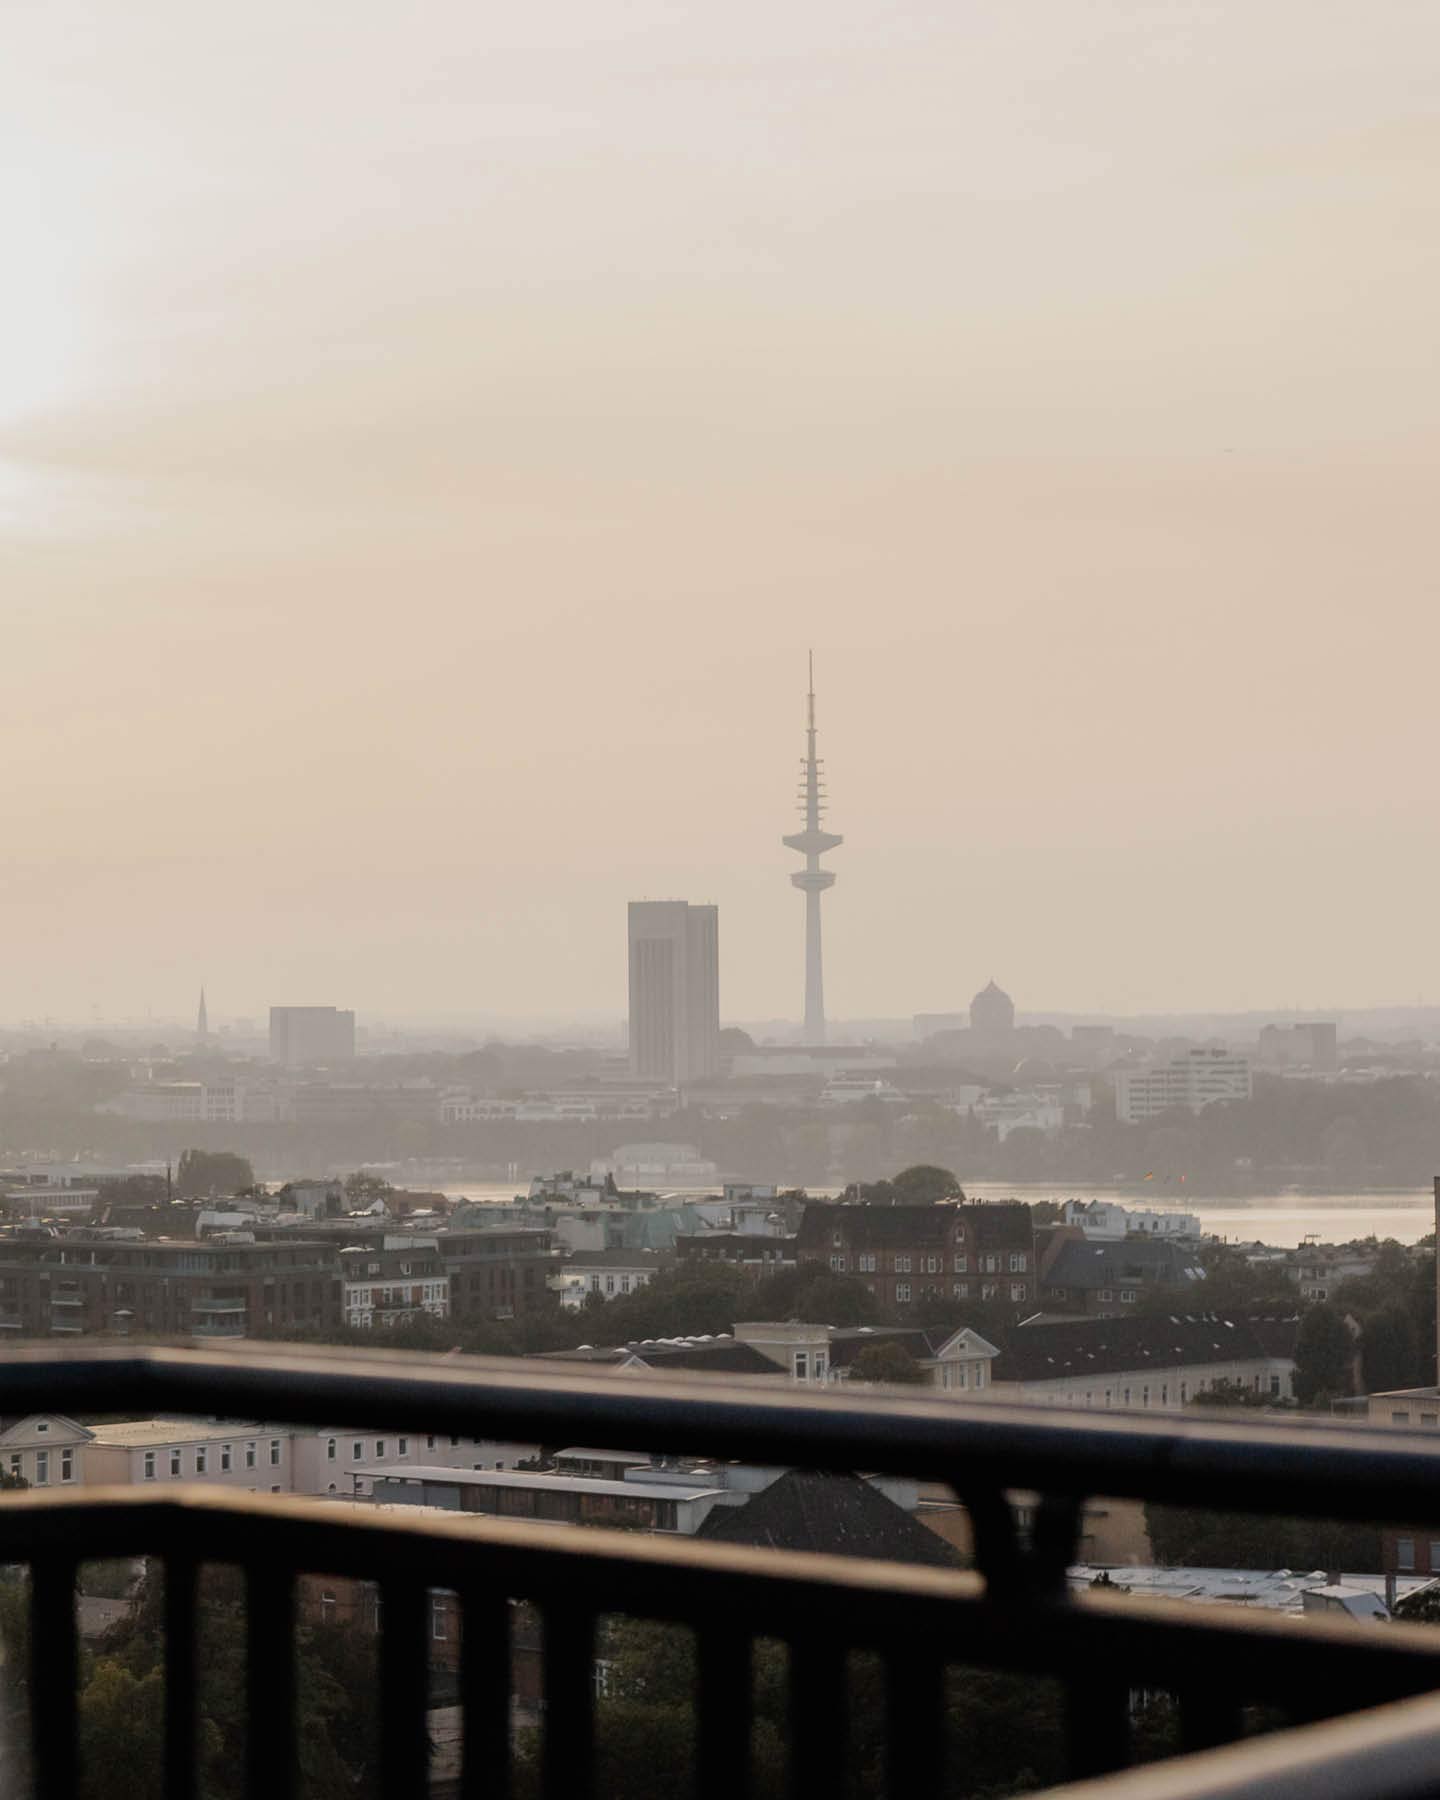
x,y
943,1252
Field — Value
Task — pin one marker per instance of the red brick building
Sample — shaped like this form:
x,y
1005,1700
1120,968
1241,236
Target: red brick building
x,y
947,1251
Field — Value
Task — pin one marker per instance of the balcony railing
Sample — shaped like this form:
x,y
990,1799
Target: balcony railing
x,y
1013,1613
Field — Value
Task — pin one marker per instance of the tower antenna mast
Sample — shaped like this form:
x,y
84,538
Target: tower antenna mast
x,y
813,842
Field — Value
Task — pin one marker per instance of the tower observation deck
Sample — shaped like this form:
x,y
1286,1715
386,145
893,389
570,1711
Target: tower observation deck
x,y
813,842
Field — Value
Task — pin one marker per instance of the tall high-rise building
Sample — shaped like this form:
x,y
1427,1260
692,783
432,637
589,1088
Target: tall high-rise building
x,y
812,880
300,1035
674,990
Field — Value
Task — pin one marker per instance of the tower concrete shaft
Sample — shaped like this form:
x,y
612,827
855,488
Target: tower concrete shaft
x,y
813,842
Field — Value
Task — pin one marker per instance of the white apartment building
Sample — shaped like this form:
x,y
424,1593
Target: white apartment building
x,y
49,1450
1195,1080
1104,1220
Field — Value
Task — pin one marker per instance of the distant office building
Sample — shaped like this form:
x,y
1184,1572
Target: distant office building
x,y
1195,1080
674,991
1300,1046
301,1035
992,1013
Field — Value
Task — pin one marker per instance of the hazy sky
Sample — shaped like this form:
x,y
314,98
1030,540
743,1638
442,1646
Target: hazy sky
x,y
431,436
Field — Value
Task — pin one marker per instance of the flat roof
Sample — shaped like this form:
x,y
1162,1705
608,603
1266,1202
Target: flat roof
x,y
134,1434
561,1484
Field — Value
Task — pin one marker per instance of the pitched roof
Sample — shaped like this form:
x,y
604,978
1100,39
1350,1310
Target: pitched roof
x,y
830,1515
1060,1349
1081,1263
999,1226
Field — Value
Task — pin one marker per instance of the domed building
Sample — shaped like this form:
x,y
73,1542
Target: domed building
x,y
992,1013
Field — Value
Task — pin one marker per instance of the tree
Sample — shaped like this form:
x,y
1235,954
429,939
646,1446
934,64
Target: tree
x,y
1324,1356
1192,1537
206,1173
925,1184
364,1188
1388,1350
1229,1393
888,1362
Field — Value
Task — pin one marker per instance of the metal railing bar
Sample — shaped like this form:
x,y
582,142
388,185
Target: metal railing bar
x,y
1097,1722
863,1604
1260,1466
915,1720
568,1731
181,1662
1391,1753
53,1677
404,1689
271,1745
1209,1715
725,1710
819,1715
485,1680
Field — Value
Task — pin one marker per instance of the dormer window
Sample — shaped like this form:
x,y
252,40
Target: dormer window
x,y
836,1240
42,1425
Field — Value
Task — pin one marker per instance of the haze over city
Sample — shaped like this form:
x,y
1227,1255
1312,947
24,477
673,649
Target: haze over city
x,y
417,512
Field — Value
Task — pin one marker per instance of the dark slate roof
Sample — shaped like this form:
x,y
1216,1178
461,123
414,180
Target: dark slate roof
x,y
1048,1352
1005,1225
1081,1263
830,1515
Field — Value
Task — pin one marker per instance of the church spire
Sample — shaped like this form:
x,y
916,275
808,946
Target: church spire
x,y
202,1020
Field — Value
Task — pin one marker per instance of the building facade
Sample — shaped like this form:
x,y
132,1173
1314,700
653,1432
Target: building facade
x,y
302,1035
674,991
1198,1079
904,1254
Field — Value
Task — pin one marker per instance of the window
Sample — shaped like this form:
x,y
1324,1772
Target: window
x,y
1425,1418
327,1604
837,1241
1404,1553
225,1459
379,1449
1145,1395
979,1375
609,1284
274,1453
989,1265
962,1263
802,1365
438,1625
1125,1397
202,1460
902,1265
430,1443
902,1292
1164,1393
1127,1293
15,1465
1017,1290
1019,1262
250,1455
175,1468
865,1264
149,1465
1275,1389
44,1425
820,1365
1106,1294
1400,1418
989,1290
330,1457
42,1468
357,1451
1184,1392
960,1289
402,1446
961,1376
837,1264
67,1465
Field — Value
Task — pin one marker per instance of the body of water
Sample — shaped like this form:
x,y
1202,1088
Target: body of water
x,y
1281,1219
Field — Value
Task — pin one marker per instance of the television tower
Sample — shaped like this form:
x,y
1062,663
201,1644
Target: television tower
x,y
812,880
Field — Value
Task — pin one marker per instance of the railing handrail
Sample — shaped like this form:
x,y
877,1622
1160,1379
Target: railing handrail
x,y
1315,1469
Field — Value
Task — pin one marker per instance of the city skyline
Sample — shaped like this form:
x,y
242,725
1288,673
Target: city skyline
x,y
445,587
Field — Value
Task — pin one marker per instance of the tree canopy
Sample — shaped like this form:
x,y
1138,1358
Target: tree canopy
x,y
202,1173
